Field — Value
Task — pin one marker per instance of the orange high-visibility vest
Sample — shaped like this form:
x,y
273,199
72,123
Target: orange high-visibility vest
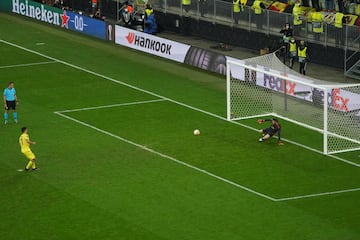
x,y
130,9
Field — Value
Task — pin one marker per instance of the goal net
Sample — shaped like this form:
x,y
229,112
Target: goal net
x,y
264,86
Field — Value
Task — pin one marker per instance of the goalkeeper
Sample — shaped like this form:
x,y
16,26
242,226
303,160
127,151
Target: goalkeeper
x,y
274,128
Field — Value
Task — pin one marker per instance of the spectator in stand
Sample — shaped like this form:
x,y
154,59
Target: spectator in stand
x,y
302,57
94,5
339,22
185,24
186,5
238,7
315,4
148,10
202,7
297,14
317,19
57,4
257,7
150,23
98,15
129,8
340,4
236,10
329,5
126,12
287,32
305,3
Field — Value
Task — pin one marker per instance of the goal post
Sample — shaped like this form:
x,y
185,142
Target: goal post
x,y
333,110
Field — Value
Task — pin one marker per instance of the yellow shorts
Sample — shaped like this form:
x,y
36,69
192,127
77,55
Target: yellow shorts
x,y
29,155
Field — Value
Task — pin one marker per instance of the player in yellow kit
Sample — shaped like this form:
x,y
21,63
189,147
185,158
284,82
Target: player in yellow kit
x,y
25,143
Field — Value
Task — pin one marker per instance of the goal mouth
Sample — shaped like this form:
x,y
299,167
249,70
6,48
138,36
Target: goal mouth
x,y
264,86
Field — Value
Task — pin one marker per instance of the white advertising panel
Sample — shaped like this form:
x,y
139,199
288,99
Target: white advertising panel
x,y
338,99
151,44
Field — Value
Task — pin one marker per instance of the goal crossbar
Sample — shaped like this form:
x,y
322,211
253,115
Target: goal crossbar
x,y
247,98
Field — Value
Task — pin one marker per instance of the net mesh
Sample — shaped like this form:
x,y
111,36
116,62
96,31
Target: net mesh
x,y
255,90
245,99
343,119
272,61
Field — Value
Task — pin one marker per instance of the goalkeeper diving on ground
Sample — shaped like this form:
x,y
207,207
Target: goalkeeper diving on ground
x,y
274,128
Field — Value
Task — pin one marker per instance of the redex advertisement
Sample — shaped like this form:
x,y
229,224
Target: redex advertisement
x,y
56,16
338,99
151,44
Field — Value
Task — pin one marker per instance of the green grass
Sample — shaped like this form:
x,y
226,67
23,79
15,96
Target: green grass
x,y
95,186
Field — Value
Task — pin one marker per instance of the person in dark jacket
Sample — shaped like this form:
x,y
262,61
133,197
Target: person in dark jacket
x,y
288,33
150,24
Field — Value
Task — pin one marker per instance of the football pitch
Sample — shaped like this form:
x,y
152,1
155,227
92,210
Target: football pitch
x,y
118,158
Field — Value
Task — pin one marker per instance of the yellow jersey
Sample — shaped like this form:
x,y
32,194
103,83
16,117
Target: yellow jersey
x,y
257,7
317,22
23,141
236,6
186,2
297,12
148,11
338,20
292,47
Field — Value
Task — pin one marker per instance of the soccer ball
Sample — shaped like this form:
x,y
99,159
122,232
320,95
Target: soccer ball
x,y
196,132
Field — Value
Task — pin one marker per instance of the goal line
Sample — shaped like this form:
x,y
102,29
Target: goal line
x,y
330,109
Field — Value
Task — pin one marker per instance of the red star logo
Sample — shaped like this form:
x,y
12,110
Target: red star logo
x,y
65,19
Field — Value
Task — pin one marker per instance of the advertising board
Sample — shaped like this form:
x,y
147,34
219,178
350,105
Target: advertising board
x,y
56,16
151,44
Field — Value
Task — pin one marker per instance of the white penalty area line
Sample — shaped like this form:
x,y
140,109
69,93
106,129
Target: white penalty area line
x,y
166,156
317,195
60,113
111,106
168,99
27,64
304,146
178,103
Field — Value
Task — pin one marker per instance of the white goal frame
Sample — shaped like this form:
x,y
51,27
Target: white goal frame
x,y
325,88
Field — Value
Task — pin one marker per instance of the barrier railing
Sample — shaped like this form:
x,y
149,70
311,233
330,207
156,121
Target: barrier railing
x,y
269,22
220,11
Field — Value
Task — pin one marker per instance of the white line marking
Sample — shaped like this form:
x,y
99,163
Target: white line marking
x,y
27,64
317,195
304,146
178,103
168,99
183,163
166,156
112,105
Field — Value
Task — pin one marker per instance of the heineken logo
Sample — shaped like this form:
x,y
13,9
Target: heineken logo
x,y
40,12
